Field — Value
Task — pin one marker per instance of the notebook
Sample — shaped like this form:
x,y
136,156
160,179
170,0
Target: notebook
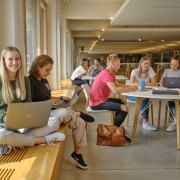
x,y
27,115
171,82
67,104
166,92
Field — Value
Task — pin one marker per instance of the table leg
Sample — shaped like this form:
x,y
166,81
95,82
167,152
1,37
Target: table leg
x,y
176,101
159,113
157,71
136,114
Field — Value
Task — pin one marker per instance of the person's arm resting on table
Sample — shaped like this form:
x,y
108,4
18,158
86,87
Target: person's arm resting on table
x,y
117,88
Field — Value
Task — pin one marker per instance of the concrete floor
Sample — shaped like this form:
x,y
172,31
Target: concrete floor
x,y
152,155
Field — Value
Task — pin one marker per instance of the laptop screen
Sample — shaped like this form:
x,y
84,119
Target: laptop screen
x,y
66,104
171,82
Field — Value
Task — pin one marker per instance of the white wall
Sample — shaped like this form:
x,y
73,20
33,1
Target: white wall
x,y
12,31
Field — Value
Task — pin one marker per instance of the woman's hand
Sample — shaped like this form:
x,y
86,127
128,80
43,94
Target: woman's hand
x,y
54,101
65,98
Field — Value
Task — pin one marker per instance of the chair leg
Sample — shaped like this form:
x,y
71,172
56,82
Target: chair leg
x,y
85,111
151,109
159,113
112,117
85,108
165,119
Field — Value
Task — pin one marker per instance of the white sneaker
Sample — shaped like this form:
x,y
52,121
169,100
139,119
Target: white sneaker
x,y
140,118
171,127
148,126
56,136
174,123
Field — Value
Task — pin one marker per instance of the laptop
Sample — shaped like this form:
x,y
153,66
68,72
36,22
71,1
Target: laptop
x,y
67,104
27,115
171,82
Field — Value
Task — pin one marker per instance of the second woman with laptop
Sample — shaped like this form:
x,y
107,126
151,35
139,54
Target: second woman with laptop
x,y
40,91
174,71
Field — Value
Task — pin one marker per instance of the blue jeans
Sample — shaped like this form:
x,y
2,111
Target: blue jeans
x,y
79,82
171,105
143,104
146,112
113,104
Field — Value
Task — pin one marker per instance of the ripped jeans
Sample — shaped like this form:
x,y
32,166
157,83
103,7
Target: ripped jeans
x,y
113,104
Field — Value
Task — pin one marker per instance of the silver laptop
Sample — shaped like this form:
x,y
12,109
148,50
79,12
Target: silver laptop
x,y
171,82
67,104
27,115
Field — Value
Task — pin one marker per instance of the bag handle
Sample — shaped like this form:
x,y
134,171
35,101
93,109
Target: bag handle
x,y
108,134
128,139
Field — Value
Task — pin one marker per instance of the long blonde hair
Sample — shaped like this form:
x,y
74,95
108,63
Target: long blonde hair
x,y
144,58
7,91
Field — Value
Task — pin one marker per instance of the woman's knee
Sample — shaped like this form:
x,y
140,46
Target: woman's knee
x,y
124,108
4,133
80,122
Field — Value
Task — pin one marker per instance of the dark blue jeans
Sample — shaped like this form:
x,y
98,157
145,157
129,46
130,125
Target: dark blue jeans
x,y
171,105
79,82
113,104
143,104
146,112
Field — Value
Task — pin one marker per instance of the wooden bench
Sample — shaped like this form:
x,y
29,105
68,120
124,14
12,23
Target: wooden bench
x,y
42,162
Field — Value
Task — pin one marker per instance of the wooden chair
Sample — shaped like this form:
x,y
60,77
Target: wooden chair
x,y
88,109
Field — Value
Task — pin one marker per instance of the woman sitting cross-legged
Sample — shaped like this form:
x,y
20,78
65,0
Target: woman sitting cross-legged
x,y
75,120
15,88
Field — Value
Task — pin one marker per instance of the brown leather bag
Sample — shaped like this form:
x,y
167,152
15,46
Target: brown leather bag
x,y
109,135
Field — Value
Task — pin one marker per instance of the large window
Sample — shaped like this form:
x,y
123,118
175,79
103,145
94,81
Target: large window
x,y
43,35
30,31
36,33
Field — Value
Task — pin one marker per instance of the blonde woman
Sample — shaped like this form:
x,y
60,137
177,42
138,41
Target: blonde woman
x,y
148,73
79,72
174,71
15,88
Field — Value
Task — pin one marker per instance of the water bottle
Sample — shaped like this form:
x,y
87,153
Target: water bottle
x,y
142,83
92,73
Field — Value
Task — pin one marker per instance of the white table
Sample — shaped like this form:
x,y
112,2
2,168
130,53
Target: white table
x,y
148,94
118,77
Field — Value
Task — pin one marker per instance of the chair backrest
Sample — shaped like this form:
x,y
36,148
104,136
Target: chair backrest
x,y
86,90
130,98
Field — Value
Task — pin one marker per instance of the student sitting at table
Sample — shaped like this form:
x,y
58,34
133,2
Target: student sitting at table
x,y
15,88
79,72
148,73
174,71
104,84
96,68
75,120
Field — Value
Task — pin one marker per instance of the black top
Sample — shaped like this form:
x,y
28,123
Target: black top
x,y
40,89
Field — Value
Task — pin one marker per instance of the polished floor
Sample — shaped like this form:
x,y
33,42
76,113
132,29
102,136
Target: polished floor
x,y
152,155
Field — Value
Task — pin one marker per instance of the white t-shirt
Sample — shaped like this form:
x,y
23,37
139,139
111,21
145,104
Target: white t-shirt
x,y
171,73
78,72
151,74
